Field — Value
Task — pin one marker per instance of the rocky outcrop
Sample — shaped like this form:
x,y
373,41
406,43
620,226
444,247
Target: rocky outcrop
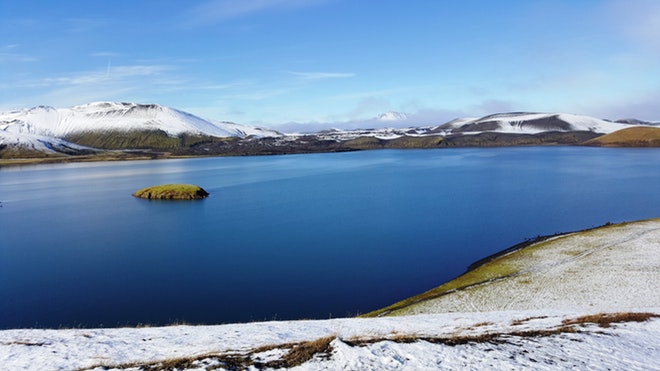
x,y
172,192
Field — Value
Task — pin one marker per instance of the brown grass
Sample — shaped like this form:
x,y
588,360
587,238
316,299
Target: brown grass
x,y
638,136
606,319
302,352
517,322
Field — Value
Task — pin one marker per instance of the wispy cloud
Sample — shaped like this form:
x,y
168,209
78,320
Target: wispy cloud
x,y
9,53
223,10
321,75
15,57
95,77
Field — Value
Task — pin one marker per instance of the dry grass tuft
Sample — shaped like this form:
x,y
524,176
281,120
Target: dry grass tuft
x,y
517,322
606,319
305,351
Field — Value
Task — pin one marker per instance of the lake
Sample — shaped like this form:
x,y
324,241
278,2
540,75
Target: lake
x,y
289,237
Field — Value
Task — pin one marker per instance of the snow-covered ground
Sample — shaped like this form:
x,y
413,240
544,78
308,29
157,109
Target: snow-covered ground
x,y
542,318
492,340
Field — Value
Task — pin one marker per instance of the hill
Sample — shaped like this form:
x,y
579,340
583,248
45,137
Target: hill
x,y
530,123
110,125
640,136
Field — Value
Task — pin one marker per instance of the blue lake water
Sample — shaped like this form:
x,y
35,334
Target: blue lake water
x,y
289,237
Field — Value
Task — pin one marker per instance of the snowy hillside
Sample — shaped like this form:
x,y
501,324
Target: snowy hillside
x,y
614,323
111,116
530,123
40,144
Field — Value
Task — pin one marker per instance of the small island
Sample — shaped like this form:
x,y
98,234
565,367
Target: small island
x,y
172,192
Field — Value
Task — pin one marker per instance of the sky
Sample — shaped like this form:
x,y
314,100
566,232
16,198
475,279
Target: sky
x,y
296,64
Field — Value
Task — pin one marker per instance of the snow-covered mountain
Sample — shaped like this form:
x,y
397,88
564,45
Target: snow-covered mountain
x,y
111,116
508,123
530,123
46,129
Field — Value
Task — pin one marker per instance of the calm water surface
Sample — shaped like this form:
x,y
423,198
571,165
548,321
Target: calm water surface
x,y
287,237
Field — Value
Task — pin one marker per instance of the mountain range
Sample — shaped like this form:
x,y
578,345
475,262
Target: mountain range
x,y
111,126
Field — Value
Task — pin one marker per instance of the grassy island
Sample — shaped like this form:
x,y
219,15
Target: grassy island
x,y
172,192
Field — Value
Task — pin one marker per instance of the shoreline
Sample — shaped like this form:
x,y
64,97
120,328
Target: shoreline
x,y
456,284
143,155
532,241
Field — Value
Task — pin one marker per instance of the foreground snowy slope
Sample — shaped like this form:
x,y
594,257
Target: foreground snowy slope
x,y
615,267
613,324
493,340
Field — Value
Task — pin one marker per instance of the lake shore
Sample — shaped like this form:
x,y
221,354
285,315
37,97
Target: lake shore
x,y
554,273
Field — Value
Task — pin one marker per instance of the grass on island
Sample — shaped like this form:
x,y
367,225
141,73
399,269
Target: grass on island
x,y
172,192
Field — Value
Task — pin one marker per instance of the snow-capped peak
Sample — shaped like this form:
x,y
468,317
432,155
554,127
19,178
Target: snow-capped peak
x,y
392,116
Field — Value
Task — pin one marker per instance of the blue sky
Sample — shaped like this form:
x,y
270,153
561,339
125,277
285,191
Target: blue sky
x,y
290,63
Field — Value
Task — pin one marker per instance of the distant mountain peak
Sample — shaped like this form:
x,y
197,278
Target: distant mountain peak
x,y
392,116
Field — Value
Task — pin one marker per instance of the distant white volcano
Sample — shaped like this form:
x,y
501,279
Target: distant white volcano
x,y
392,116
